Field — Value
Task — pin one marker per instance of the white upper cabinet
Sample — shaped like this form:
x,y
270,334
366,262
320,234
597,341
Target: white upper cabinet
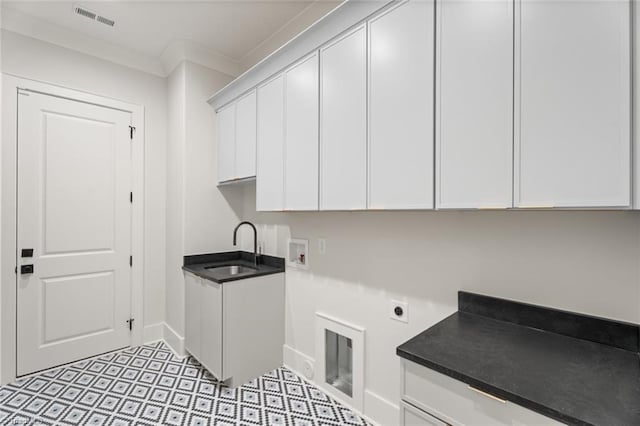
x,y
226,143
270,146
237,139
246,136
343,122
474,109
401,64
573,140
301,135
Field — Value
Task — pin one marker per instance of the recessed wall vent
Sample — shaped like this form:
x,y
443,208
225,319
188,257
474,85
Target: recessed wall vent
x,y
93,16
340,360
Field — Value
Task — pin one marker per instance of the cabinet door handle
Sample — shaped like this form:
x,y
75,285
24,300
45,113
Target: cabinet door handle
x,y
488,395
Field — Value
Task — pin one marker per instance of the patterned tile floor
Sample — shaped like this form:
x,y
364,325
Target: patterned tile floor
x,y
149,385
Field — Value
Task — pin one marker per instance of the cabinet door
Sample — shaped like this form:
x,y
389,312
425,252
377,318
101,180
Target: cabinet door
x,y
211,327
246,136
253,327
475,104
270,161
226,143
343,123
573,144
401,107
412,416
301,138
192,288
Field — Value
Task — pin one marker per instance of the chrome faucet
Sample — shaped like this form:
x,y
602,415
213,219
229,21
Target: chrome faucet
x,y
255,239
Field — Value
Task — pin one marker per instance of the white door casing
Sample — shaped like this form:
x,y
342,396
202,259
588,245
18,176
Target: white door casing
x,y
74,179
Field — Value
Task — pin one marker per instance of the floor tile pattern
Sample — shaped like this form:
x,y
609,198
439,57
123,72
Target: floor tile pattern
x,y
149,385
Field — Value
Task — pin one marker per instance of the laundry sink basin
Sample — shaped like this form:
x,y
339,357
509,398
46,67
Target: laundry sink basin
x,y
232,269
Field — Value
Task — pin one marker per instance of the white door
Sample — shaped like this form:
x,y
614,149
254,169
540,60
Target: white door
x,y
573,145
343,123
226,143
74,179
270,161
301,135
474,136
245,165
401,107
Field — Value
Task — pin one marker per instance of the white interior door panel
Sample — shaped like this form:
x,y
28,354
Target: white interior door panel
x,y
74,179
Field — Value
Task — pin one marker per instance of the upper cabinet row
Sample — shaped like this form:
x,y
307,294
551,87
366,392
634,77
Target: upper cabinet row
x,y
237,139
479,106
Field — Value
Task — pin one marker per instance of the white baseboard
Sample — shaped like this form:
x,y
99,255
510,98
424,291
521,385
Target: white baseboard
x,y
294,361
174,340
153,332
380,410
377,410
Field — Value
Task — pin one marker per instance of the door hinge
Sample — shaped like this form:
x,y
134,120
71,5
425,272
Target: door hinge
x,y
131,197
131,131
130,260
130,322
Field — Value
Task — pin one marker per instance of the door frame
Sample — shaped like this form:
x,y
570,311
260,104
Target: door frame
x,y
8,210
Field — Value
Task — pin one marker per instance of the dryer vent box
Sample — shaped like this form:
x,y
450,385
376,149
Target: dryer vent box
x,y
298,253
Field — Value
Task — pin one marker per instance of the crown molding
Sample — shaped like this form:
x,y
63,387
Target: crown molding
x,y
182,50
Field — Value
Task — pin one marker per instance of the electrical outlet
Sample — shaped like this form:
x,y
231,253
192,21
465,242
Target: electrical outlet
x,y
322,246
399,311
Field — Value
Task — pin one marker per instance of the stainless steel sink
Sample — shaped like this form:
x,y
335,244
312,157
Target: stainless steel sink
x,y
232,269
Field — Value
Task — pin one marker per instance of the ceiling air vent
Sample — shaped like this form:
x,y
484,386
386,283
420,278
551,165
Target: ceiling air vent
x,y
84,12
93,16
106,21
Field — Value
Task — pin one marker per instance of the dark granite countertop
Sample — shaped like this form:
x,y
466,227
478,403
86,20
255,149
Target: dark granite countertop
x,y
202,265
573,368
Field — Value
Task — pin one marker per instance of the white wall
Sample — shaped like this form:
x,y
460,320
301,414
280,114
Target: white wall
x,y
1,94
211,212
175,199
579,261
34,59
200,216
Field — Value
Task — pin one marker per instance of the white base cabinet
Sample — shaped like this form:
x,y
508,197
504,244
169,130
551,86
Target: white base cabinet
x,y
235,329
431,398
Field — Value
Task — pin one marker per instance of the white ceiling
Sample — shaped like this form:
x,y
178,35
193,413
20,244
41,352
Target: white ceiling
x,y
232,28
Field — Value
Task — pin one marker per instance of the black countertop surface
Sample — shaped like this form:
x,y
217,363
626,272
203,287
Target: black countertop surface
x,y
202,265
574,368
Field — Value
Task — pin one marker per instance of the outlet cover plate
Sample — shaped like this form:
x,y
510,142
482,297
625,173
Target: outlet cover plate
x,y
405,310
